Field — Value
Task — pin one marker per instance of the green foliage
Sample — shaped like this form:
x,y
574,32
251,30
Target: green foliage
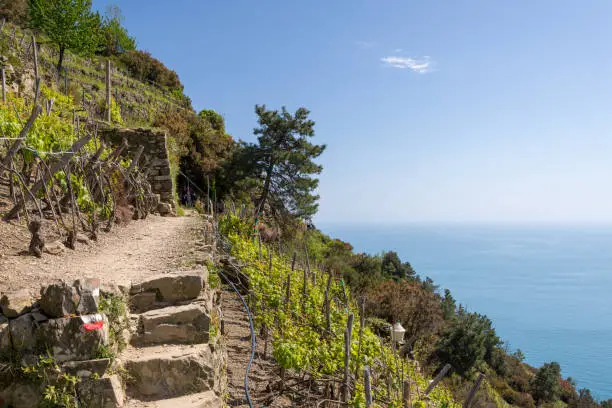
x,y
70,24
468,342
15,11
297,324
607,403
115,38
393,267
116,310
144,67
59,388
545,386
283,160
449,306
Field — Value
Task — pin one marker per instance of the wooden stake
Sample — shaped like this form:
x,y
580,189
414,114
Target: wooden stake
x,y
35,50
361,326
327,303
3,85
293,261
472,393
108,91
438,378
348,334
406,394
367,386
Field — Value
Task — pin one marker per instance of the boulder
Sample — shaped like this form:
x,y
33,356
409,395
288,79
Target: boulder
x,y
6,347
164,209
170,371
59,300
87,368
74,338
54,248
176,324
105,392
15,304
23,331
172,287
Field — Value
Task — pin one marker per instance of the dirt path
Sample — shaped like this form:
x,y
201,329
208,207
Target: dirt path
x,y
263,371
140,249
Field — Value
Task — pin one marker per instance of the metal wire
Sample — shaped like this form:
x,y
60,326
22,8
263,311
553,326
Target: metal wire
x,y
253,339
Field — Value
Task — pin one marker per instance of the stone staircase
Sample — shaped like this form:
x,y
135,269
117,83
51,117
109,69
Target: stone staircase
x,y
171,360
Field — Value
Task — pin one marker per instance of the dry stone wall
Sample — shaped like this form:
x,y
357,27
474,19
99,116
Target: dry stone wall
x,y
154,158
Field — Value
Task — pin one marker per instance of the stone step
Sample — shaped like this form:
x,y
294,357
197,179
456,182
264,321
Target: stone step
x,y
206,399
169,371
174,324
168,289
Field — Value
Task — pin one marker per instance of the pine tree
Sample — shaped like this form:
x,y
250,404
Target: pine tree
x,y
284,161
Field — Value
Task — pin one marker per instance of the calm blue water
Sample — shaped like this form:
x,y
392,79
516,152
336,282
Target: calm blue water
x,y
548,290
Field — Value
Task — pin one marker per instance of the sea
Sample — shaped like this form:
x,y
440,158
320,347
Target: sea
x,y
547,289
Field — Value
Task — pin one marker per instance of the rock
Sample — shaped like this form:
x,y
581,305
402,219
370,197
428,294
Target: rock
x,y
170,371
206,399
105,392
15,304
23,331
26,396
177,324
59,300
82,238
172,287
54,248
141,302
6,347
70,339
39,317
89,295
164,208
87,368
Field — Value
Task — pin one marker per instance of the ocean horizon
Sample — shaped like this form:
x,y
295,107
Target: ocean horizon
x,y
545,286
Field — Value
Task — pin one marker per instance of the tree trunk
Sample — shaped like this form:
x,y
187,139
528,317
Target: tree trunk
x,y
266,188
60,61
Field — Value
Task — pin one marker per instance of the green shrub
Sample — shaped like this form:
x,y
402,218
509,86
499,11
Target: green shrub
x,y
144,67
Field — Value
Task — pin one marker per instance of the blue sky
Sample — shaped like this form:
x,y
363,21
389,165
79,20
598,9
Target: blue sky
x,y
433,111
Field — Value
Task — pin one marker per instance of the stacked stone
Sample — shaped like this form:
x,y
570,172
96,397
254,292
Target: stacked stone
x,y
65,323
155,155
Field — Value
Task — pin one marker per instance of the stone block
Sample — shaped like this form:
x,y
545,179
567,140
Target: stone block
x,y
15,304
164,209
176,324
170,371
22,330
142,302
87,368
89,295
172,287
73,338
26,396
106,392
59,300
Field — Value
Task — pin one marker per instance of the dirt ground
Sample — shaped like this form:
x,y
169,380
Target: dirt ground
x,y
128,253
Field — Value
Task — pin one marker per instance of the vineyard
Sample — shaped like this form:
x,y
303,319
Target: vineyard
x,y
56,171
308,319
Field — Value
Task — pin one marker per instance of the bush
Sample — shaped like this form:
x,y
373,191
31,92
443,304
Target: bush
x,y
546,385
15,11
144,67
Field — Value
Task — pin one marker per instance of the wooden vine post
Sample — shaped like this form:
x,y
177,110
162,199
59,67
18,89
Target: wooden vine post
x,y
108,91
362,301
367,384
3,73
438,378
327,303
348,334
406,394
472,393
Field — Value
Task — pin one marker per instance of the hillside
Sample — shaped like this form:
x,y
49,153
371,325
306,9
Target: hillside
x,y
323,314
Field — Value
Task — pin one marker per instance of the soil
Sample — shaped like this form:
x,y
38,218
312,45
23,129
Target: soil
x,y
128,253
264,373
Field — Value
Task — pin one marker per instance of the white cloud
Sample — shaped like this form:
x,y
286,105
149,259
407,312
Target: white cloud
x,y
398,50
365,44
421,65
